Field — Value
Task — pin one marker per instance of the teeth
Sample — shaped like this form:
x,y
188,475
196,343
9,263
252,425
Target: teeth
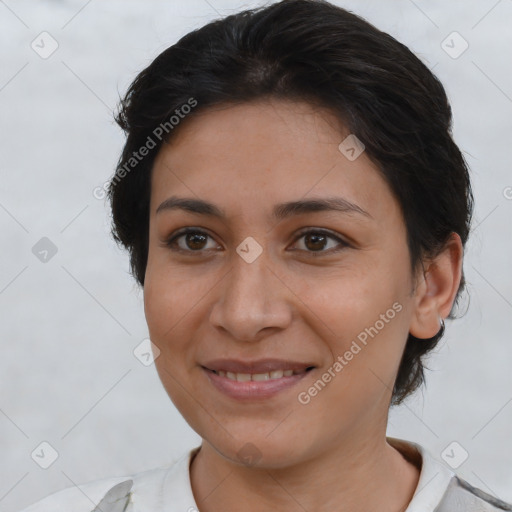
x,y
245,377
261,376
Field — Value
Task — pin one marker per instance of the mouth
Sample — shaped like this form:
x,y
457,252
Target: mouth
x,y
255,380
272,375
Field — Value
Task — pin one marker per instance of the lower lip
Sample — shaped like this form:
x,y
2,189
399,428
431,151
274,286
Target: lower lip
x,y
253,389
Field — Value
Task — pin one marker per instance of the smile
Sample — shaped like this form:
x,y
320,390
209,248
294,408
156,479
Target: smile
x,y
255,381
245,377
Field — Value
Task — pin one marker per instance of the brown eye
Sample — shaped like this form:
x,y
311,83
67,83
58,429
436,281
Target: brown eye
x,y
315,241
195,241
188,240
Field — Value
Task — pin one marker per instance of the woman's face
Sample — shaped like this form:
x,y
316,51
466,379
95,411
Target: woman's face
x,y
272,286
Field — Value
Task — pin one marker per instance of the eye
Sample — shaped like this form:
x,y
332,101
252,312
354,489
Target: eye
x,y
194,240
315,240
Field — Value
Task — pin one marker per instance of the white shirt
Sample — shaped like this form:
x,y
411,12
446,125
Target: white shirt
x,y
168,489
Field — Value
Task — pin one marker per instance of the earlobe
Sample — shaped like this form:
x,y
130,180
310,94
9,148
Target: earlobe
x,y
437,290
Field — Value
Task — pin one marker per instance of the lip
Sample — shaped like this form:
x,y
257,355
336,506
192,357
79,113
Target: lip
x,y
254,390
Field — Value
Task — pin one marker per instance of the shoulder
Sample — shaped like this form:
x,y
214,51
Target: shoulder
x,y
80,498
461,495
439,488
114,494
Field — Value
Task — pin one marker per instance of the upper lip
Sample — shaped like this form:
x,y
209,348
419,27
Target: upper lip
x,y
257,366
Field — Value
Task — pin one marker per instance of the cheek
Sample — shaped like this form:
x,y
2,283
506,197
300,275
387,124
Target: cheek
x,y
350,298
168,294
174,306
165,308
158,307
361,313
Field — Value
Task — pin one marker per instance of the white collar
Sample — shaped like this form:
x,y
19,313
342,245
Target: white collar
x,y
434,478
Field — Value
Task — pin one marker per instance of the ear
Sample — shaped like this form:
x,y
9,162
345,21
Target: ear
x,y
436,289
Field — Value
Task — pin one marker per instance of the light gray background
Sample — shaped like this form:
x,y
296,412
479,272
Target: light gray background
x,y
69,326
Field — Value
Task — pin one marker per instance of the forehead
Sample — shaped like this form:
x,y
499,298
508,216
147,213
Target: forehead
x,y
246,156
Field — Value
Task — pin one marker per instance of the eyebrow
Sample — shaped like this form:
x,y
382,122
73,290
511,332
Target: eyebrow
x,y
279,212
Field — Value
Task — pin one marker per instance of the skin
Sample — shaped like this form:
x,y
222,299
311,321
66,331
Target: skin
x,y
332,453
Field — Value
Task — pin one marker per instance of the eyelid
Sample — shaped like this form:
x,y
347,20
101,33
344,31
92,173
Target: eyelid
x,y
170,241
322,231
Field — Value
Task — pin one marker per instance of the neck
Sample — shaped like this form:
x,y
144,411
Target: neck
x,y
352,476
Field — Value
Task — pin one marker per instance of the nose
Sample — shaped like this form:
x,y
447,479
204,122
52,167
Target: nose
x,y
252,300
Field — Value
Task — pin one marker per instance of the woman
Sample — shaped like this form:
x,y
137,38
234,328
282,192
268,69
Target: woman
x,y
296,212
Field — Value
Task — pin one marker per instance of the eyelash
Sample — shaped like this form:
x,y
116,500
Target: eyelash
x,y
171,241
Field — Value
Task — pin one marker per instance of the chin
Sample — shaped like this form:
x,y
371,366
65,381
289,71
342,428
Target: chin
x,y
259,452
